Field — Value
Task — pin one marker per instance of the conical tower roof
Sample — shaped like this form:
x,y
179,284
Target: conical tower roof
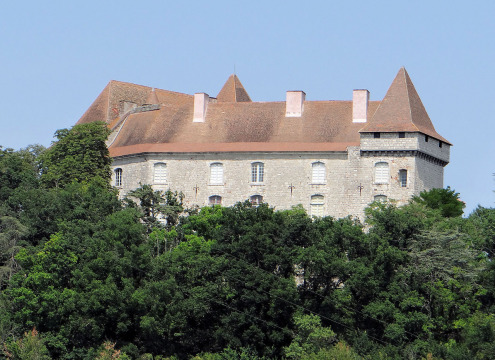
x,y
402,110
233,91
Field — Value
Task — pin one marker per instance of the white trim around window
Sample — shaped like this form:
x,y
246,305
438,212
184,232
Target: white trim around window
x,y
216,173
318,173
257,172
160,173
382,173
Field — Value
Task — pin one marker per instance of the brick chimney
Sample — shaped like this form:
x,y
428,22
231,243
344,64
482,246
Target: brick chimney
x,y
360,100
294,103
200,105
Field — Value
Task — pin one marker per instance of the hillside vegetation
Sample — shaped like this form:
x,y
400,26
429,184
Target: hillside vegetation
x,y
84,275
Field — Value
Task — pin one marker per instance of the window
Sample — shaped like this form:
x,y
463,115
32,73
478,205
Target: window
x,y
256,200
381,173
257,172
160,173
402,135
317,203
118,177
318,173
376,135
403,178
426,138
381,198
215,200
440,144
216,174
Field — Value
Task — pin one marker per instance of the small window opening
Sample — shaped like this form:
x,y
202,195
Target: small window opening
x,y
376,135
402,135
426,138
403,178
439,144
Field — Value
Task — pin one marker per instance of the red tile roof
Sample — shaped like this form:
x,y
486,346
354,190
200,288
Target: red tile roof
x,y
233,91
402,110
234,123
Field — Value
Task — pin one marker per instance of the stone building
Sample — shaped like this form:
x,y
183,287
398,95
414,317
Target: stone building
x,y
333,157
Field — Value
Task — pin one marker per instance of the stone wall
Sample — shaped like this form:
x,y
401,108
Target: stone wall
x,y
348,187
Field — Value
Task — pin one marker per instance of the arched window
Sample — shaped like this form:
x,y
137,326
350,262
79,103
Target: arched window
x,y
381,198
256,200
215,200
318,175
382,173
118,177
403,177
317,205
257,172
216,174
160,173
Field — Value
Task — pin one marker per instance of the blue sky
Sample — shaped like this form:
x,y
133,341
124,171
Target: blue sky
x,y
57,56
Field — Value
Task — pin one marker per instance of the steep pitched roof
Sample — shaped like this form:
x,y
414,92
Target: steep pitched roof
x,y
402,110
233,91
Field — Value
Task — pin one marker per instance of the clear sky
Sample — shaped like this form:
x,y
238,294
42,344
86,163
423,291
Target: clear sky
x,y
57,56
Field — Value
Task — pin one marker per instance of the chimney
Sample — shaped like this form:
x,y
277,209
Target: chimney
x,y
294,103
360,100
200,104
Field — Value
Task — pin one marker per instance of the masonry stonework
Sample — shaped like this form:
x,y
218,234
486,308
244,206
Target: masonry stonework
x,y
332,157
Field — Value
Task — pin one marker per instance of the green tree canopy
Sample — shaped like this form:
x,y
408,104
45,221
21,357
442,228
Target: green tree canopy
x,y
80,154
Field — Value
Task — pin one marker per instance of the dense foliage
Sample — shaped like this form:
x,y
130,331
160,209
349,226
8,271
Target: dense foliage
x,y
84,275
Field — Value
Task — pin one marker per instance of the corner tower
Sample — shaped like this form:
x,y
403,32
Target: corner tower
x,y
400,149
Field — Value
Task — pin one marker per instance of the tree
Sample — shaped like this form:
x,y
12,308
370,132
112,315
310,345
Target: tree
x,y
445,200
157,205
80,154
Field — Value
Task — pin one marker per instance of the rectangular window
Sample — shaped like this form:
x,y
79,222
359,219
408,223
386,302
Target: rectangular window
x,y
376,135
216,174
318,176
381,173
402,135
118,177
257,172
160,173
317,204
403,178
426,138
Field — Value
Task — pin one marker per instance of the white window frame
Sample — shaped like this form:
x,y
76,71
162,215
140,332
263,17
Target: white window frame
x,y
256,200
216,173
318,173
257,172
380,198
403,177
317,205
215,200
382,172
160,173
118,177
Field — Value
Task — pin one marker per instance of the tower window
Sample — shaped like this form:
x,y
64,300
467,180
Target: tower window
x,y
403,178
382,173
426,138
